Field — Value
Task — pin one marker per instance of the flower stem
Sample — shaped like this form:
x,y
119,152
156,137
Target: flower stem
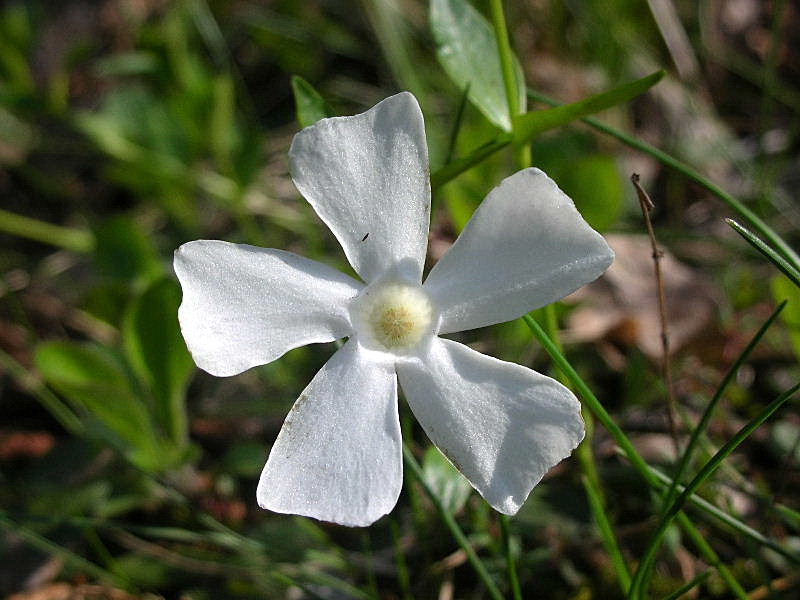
x,y
450,521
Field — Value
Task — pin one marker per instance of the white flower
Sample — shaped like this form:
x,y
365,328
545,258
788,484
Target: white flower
x,y
338,456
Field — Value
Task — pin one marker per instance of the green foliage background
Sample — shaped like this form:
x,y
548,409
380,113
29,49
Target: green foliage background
x,y
128,128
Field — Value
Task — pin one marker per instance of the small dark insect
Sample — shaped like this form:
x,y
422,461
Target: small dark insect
x,y
366,235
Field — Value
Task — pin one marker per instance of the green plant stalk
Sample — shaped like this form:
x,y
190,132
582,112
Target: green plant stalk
x,y
648,559
450,521
76,240
511,561
706,418
626,447
506,57
765,230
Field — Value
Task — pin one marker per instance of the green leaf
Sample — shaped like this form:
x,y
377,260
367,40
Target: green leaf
x,y
531,124
124,251
447,483
641,578
593,181
785,290
309,104
92,378
156,351
466,47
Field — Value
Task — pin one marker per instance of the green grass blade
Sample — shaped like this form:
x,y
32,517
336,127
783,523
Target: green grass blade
x,y
706,418
54,405
450,521
776,259
75,240
627,448
765,230
591,477
47,546
590,400
598,507
732,522
532,123
457,123
458,166
688,586
648,558
710,556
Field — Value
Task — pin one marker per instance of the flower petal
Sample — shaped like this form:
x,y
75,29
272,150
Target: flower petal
x,y
525,246
338,456
502,425
367,178
245,306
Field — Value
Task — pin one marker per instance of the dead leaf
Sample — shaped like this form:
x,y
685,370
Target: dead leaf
x,y
623,304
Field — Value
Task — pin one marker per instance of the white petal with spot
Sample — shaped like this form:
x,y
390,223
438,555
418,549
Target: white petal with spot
x,y
367,178
338,456
502,425
245,306
526,246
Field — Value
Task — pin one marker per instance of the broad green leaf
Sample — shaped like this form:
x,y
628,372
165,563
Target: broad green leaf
x,y
466,47
448,484
309,104
156,351
531,124
91,377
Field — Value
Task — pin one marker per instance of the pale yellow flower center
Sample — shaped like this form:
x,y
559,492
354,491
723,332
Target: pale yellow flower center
x,y
393,316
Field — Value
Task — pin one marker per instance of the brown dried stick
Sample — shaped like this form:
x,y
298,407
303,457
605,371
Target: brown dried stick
x,y
647,205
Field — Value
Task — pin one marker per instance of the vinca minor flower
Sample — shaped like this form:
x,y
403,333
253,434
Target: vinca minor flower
x,y
338,456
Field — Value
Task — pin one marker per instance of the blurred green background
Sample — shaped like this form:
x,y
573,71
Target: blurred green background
x,y
128,127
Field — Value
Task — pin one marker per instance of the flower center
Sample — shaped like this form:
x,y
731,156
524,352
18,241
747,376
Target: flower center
x,y
392,316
